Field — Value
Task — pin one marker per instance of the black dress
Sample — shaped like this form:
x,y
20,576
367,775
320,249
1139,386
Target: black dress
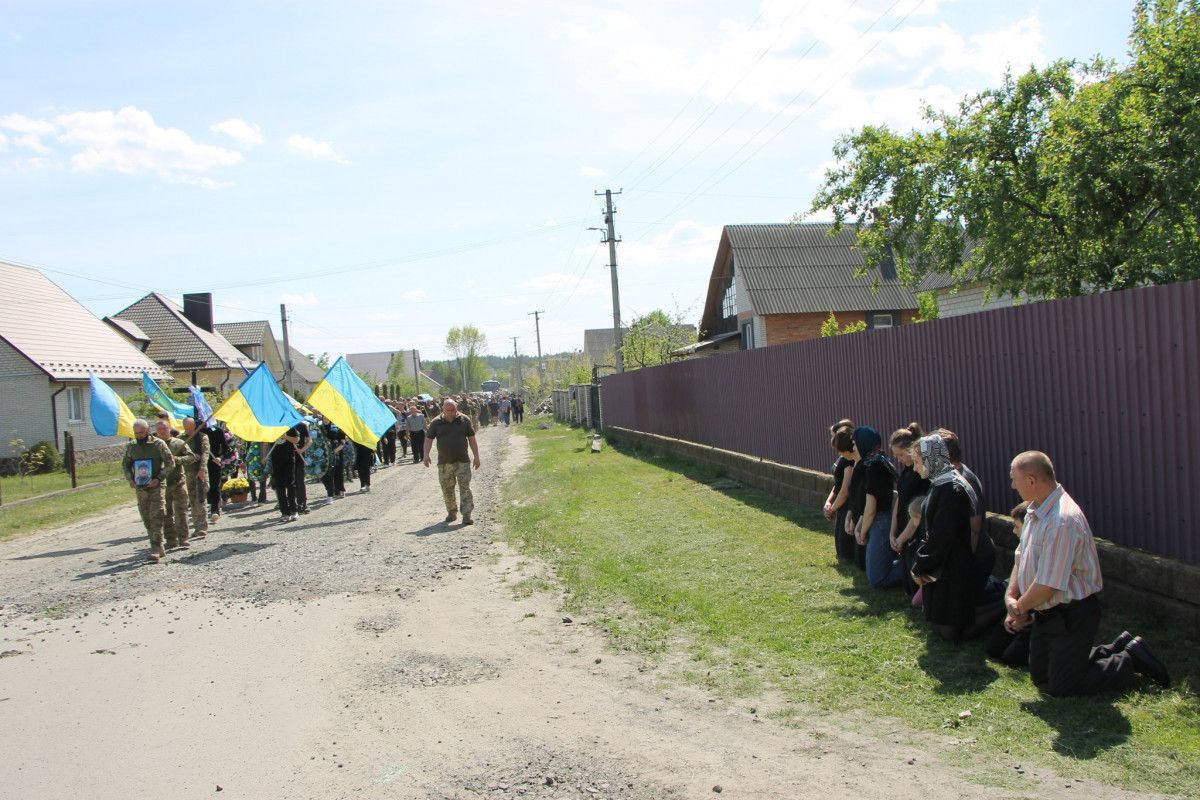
x,y
909,485
945,554
857,501
843,545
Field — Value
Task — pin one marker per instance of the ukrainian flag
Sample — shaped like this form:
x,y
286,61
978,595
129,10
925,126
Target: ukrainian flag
x,y
163,402
351,405
258,411
110,415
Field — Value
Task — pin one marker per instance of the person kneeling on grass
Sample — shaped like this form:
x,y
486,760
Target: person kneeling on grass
x,y
1053,592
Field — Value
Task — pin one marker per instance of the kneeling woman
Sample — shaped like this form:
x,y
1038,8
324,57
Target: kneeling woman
x,y
944,564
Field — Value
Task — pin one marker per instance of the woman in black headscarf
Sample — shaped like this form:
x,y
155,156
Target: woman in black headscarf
x,y
944,562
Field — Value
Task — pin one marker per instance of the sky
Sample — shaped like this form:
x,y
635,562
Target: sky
x,y
389,170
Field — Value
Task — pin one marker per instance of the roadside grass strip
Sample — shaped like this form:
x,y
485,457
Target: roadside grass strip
x,y
739,592
63,509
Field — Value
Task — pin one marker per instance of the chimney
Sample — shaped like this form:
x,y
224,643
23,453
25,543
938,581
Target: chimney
x,y
198,309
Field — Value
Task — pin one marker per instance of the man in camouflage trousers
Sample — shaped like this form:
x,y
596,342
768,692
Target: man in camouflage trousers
x,y
145,463
175,524
196,473
455,437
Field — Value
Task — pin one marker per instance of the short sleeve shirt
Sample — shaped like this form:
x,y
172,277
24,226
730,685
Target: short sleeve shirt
x,y
879,484
451,438
1057,550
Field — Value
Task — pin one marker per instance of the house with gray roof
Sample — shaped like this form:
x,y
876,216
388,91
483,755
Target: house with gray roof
x,y
48,345
779,283
185,343
305,372
256,340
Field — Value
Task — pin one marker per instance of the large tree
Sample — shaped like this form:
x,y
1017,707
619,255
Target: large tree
x,y
651,338
465,345
1070,179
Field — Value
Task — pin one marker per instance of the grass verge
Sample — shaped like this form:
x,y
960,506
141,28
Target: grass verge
x,y
14,488
743,589
62,509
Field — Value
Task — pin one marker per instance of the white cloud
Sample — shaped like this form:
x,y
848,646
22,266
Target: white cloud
x,y
560,281
23,124
414,294
246,134
3,142
129,141
381,317
314,149
299,300
591,172
687,242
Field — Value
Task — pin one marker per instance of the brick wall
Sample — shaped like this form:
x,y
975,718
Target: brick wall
x,y
1170,586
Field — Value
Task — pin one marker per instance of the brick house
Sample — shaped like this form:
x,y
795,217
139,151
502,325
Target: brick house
x,y
778,283
48,344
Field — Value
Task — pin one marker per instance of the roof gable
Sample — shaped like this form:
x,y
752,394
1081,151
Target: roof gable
x,y
178,344
65,340
800,269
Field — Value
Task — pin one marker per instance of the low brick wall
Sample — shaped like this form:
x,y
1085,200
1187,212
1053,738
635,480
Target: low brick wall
x,y
84,458
1170,586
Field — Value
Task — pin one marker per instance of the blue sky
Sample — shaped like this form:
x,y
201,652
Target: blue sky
x,y
390,170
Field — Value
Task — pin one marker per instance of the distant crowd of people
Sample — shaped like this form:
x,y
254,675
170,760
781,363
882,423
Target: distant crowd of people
x,y
180,472
916,521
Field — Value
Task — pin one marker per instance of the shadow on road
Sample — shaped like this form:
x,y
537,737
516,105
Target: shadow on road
x,y
437,527
114,567
55,554
222,552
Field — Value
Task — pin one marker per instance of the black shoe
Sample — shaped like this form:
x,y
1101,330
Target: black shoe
x,y
468,521
1121,642
1145,662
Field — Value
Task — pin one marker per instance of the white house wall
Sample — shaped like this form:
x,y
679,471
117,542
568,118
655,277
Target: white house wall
x,y
24,401
969,300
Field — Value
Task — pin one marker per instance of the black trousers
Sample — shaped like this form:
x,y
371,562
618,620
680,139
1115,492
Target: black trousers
x,y
214,488
388,456
284,478
301,489
418,446
843,545
1061,656
364,460
335,477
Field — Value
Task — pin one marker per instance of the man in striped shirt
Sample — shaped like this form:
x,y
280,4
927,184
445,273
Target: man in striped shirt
x,y
1053,588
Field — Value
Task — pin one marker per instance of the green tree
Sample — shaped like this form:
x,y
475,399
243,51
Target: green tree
x,y
322,362
830,326
1070,179
651,338
927,307
465,345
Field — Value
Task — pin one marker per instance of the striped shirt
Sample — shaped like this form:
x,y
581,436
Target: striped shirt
x,y
1057,550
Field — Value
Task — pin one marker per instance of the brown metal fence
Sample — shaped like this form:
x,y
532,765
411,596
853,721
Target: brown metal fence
x,y
1108,385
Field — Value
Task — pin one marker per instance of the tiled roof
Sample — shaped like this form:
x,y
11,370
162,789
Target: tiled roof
x,y
60,336
242,334
129,329
176,343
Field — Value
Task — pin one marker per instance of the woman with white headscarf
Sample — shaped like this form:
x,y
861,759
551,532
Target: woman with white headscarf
x,y
944,561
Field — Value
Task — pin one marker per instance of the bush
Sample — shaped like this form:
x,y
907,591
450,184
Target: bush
x,y
41,458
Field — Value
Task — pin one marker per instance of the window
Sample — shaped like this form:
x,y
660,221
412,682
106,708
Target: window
x,y
74,404
748,335
729,302
876,320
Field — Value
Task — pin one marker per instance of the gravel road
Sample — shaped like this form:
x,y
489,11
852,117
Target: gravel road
x,y
370,650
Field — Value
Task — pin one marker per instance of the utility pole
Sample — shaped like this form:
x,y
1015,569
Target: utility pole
x,y
517,366
416,359
287,348
541,367
611,239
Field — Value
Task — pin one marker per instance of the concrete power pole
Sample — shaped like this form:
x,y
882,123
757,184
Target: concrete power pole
x,y
517,366
416,359
611,239
541,367
287,350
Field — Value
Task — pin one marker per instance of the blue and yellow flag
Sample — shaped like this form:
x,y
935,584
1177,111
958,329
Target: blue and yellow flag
x,y
258,411
204,411
110,415
163,402
351,405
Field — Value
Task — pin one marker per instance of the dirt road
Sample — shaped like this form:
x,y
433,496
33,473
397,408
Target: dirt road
x,y
369,650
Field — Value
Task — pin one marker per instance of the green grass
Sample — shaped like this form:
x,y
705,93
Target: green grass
x,y
62,509
739,592
15,488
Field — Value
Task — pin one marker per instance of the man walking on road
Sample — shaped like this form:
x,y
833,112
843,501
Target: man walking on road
x,y
196,471
175,524
145,463
454,433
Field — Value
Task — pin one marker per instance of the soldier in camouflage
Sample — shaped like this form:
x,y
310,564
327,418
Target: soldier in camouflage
x,y
175,525
145,463
196,473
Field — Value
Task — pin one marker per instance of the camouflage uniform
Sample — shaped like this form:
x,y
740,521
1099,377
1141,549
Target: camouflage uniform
x,y
149,499
196,472
175,525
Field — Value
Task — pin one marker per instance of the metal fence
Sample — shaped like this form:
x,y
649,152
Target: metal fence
x,y
579,404
1108,385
